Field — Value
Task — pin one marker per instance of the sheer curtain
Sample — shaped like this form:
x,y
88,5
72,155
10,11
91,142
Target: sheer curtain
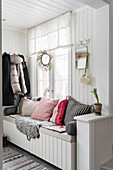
x,y
53,36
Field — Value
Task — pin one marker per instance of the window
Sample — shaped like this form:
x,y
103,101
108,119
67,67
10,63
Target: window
x,y
55,37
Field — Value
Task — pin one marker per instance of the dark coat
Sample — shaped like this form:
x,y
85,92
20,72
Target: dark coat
x,y
7,97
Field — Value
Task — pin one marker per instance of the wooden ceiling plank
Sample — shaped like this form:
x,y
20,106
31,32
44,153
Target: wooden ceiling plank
x,y
69,6
25,14
74,2
22,17
27,9
46,6
54,4
31,6
21,14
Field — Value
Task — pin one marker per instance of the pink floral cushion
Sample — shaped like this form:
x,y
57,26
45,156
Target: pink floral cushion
x,y
45,108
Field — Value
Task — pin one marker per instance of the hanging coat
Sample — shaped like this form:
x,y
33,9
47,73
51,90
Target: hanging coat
x,y
17,75
26,75
7,93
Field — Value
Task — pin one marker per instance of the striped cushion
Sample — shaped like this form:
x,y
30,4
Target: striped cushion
x,y
19,108
58,113
75,108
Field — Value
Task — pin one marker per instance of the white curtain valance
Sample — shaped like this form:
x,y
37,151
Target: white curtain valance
x,y
51,34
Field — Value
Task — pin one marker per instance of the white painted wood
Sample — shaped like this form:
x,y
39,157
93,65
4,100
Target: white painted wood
x,y
47,142
51,149
77,72
84,30
64,155
69,157
44,146
60,153
94,25
110,58
14,41
17,12
102,59
94,141
41,145
56,151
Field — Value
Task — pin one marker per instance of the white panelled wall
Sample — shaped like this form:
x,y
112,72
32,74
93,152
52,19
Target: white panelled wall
x,y
92,24
14,41
102,57
84,30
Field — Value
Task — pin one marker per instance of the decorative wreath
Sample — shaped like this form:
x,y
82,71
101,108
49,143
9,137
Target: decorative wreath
x,y
44,60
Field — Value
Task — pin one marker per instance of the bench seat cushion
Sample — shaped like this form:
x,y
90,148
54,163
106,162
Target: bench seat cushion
x,y
63,136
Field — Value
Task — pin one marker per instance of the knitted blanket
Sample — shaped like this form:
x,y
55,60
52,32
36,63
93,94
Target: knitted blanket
x,y
30,127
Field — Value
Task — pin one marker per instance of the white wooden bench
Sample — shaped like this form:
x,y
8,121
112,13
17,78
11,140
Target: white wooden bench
x,y
56,148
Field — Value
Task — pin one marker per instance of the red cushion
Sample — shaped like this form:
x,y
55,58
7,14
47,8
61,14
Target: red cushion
x,y
58,113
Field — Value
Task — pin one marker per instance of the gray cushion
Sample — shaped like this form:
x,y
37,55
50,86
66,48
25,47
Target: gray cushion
x,y
75,108
71,128
10,111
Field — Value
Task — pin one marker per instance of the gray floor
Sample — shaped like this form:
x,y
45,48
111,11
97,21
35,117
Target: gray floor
x,y
51,167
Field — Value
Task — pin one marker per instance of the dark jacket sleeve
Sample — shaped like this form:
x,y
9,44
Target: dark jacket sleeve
x,y
8,97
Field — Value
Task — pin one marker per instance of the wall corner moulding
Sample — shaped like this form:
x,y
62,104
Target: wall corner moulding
x,y
108,1
95,4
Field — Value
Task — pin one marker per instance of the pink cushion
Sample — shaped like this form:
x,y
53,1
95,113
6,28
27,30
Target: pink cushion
x,y
44,110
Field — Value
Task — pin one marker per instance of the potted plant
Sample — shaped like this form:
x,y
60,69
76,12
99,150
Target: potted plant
x,y
98,105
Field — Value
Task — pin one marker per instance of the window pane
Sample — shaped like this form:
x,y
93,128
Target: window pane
x,y
31,46
61,73
43,83
61,89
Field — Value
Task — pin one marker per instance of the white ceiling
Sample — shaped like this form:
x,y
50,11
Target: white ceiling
x,y
23,14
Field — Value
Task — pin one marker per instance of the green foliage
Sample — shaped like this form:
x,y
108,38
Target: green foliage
x,y
86,66
95,94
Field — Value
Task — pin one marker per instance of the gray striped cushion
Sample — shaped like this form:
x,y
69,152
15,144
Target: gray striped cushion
x,y
75,108
19,108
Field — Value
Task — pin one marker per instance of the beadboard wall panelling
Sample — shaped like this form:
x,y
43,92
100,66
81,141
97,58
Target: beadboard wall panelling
x,y
94,141
84,22
14,41
103,60
103,141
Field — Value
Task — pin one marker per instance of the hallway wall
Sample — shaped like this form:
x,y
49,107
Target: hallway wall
x,y
14,41
93,24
